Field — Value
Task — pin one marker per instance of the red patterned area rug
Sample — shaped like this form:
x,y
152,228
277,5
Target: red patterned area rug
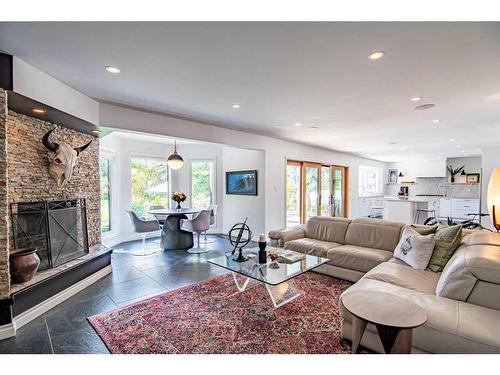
x,y
213,317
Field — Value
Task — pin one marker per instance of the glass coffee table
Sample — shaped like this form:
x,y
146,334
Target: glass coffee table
x,y
276,276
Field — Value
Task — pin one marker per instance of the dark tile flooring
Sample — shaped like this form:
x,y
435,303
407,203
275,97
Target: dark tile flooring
x,y
64,329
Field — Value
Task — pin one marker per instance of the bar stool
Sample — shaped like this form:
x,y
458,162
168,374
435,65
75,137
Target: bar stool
x,y
425,211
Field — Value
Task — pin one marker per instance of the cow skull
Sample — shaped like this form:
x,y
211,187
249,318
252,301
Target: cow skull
x,y
65,159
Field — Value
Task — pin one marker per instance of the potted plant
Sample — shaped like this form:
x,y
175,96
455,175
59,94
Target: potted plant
x,y
178,196
454,172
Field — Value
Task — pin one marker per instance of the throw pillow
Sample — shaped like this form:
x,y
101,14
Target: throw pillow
x,y
447,241
415,249
424,230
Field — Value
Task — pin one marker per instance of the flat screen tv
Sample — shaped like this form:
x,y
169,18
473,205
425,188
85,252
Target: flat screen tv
x,y
241,182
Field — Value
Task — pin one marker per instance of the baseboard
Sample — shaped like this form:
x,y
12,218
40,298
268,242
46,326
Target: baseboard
x,y
9,330
116,240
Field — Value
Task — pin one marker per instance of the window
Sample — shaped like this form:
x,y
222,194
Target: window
x,y
105,180
370,181
202,183
150,185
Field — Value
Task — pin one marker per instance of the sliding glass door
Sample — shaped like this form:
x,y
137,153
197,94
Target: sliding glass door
x,y
314,189
293,189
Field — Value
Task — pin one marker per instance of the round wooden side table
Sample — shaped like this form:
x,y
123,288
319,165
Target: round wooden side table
x,y
393,316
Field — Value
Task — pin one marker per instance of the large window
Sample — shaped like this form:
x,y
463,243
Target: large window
x,y
202,183
314,189
150,185
105,180
370,181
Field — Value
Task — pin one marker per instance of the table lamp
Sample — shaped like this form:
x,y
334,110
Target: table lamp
x,y
494,198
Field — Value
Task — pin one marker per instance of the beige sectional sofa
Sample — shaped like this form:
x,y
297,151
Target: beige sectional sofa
x,y
462,302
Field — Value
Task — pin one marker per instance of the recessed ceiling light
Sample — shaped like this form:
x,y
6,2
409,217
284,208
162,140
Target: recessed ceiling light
x,y
452,140
416,98
236,106
375,55
403,148
112,69
462,150
298,124
425,106
458,146
38,110
435,121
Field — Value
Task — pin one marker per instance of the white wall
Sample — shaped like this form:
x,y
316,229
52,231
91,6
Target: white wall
x,y
225,158
238,207
490,161
276,152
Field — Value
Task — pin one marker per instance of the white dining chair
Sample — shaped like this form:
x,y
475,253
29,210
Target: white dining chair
x,y
144,227
199,224
214,208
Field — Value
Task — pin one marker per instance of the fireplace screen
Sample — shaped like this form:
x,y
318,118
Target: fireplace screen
x,y
58,229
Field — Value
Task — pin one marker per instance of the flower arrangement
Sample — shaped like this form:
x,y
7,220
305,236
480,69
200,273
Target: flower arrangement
x,y
178,196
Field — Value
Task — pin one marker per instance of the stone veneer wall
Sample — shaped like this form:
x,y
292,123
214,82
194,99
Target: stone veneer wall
x,y
4,220
28,161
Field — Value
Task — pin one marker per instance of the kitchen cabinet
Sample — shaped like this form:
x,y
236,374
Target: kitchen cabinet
x,y
445,207
458,208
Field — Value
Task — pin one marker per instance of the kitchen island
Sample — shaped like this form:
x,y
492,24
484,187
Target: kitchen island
x,y
403,209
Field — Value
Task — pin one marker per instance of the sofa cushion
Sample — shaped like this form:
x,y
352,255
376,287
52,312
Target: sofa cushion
x,y
330,229
469,265
397,273
310,246
481,237
373,233
357,258
447,241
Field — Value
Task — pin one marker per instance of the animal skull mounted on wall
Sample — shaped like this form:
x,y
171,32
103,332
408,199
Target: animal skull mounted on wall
x,y
65,159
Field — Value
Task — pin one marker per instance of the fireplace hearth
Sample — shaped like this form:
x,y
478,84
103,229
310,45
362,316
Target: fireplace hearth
x,y
58,229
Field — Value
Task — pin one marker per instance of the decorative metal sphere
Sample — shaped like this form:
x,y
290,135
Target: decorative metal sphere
x,y
234,233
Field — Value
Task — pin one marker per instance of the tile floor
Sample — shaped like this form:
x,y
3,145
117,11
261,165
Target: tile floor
x,y
64,329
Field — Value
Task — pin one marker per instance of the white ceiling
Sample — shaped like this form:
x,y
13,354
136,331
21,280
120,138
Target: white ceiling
x,y
317,74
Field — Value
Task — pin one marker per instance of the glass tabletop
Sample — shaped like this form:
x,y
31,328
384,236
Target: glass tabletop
x,y
288,266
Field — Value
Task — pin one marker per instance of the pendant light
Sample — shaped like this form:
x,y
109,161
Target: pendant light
x,y
175,161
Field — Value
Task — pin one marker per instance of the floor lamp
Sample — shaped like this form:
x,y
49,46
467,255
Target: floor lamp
x,y
494,198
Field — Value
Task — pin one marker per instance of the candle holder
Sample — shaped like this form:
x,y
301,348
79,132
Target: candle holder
x,y
262,252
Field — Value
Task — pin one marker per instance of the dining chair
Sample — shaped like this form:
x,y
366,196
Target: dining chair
x,y
143,227
199,224
161,218
214,208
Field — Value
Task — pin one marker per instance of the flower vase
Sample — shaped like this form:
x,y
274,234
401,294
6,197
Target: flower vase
x,y
179,206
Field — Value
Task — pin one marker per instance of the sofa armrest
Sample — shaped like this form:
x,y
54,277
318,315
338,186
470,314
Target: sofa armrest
x,y
279,237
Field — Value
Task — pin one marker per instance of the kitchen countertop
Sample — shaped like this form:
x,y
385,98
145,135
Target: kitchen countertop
x,y
420,199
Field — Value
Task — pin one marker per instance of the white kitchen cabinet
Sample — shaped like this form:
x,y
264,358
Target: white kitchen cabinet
x,y
422,168
458,208
445,207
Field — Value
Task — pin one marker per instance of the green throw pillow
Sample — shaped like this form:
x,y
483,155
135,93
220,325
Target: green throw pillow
x,y
424,230
448,239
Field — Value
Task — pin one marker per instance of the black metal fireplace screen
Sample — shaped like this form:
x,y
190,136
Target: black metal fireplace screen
x,y
58,229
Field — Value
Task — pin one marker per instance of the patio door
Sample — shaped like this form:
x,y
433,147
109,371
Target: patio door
x,y
315,189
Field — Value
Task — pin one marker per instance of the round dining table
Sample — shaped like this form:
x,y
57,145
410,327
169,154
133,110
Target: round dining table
x,y
172,236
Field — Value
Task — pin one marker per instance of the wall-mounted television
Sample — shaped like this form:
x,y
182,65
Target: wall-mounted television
x,y
241,182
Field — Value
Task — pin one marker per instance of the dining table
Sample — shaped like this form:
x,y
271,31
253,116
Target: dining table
x,y
172,236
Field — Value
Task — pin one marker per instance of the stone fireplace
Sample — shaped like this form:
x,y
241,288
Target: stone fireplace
x,y
73,210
